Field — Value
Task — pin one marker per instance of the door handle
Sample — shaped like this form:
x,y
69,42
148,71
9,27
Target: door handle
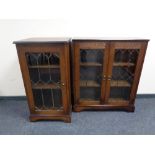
x,y
104,77
109,78
62,84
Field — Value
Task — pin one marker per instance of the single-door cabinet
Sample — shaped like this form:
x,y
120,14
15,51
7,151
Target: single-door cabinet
x,y
45,69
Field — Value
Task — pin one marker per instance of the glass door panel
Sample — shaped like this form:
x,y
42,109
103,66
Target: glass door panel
x,y
123,73
91,71
44,70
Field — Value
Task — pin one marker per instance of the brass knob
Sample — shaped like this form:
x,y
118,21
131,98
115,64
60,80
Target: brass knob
x,y
62,84
104,77
109,78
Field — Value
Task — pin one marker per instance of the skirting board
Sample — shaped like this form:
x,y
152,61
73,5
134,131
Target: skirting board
x,y
24,97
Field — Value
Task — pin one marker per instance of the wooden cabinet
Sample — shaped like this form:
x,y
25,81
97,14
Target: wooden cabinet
x,y
106,73
45,68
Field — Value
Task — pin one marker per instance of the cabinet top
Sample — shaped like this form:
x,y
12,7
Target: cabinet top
x,y
66,40
42,40
108,39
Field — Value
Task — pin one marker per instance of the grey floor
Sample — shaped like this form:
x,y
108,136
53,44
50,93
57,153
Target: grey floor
x,y
14,120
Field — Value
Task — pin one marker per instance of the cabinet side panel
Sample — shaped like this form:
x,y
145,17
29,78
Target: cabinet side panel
x,y
138,71
26,79
76,73
68,80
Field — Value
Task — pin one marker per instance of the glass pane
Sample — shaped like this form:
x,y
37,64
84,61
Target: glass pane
x,y
46,99
89,55
126,55
43,59
91,73
44,75
90,93
123,73
44,67
120,93
91,70
44,70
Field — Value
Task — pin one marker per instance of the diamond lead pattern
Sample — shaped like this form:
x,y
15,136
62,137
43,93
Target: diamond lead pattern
x,y
123,75
44,69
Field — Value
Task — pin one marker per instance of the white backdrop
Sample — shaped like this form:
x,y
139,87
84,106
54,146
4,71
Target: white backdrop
x,y
95,21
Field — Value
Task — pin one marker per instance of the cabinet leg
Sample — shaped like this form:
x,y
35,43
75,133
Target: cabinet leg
x,y
67,120
77,109
32,119
131,109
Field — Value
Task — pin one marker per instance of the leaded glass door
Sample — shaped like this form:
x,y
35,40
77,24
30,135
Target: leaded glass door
x,y
123,61
47,71
90,72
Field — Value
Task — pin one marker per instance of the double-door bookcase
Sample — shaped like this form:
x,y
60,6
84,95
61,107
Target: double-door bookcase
x,y
106,73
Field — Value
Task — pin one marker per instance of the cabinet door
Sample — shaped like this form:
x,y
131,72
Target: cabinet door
x,y
90,60
125,64
44,72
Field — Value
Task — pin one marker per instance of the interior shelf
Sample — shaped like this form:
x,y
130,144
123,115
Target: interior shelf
x,y
90,64
111,101
123,64
118,102
120,83
114,83
89,99
48,109
89,83
45,86
44,66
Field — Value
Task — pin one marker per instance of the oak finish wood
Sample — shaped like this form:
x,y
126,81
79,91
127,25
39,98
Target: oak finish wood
x,y
40,45
109,45
70,56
